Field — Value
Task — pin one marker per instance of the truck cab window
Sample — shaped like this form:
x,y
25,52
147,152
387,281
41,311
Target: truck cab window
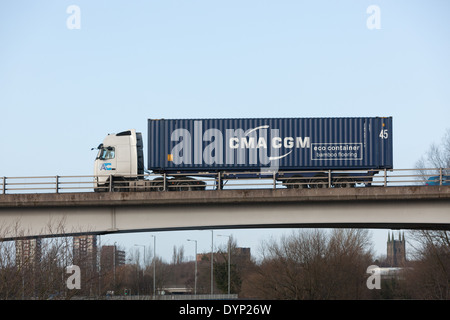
x,y
106,153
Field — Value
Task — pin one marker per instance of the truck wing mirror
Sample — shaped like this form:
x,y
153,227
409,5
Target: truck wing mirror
x,y
99,146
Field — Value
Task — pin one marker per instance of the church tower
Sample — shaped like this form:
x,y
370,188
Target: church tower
x,y
396,252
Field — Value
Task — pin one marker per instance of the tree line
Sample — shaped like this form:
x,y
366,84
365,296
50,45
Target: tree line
x,y
306,264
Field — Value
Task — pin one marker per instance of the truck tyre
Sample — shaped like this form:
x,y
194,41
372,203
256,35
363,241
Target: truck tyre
x,y
318,182
296,182
343,182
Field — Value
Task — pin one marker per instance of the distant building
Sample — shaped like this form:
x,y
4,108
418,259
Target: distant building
x,y
110,257
243,253
237,255
396,251
28,252
85,251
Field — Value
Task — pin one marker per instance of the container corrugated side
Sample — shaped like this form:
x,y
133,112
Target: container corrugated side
x,y
282,143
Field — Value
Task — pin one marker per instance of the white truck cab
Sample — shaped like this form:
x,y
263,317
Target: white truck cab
x,y
119,166
120,156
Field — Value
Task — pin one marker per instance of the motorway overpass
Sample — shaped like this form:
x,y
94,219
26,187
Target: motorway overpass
x,y
55,214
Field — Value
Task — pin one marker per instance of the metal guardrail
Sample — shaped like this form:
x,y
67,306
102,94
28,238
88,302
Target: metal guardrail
x,y
228,180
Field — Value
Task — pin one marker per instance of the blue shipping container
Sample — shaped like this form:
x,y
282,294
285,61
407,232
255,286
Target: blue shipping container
x,y
199,145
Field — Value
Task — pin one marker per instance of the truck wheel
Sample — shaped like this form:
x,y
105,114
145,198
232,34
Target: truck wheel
x,y
347,183
158,187
101,189
318,182
184,186
342,183
297,183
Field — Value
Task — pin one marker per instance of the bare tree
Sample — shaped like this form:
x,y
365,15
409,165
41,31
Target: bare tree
x,y
10,276
431,272
312,264
178,255
437,156
349,254
430,276
34,266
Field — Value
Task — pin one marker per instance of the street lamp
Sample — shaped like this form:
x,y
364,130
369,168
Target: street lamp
x,y
229,260
154,263
114,261
195,281
212,264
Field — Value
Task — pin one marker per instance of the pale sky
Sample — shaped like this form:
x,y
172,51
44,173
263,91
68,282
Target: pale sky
x,y
67,80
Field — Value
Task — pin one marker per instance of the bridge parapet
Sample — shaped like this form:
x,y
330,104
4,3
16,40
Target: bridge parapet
x,y
106,199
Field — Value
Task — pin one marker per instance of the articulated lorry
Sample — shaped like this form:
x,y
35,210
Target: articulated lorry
x,y
299,152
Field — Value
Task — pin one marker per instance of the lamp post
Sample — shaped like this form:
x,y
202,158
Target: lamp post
x,y
154,263
212,264
195,275
114,262
229,260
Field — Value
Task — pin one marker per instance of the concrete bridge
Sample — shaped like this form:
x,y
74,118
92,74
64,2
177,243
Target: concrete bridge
x,y
56,214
